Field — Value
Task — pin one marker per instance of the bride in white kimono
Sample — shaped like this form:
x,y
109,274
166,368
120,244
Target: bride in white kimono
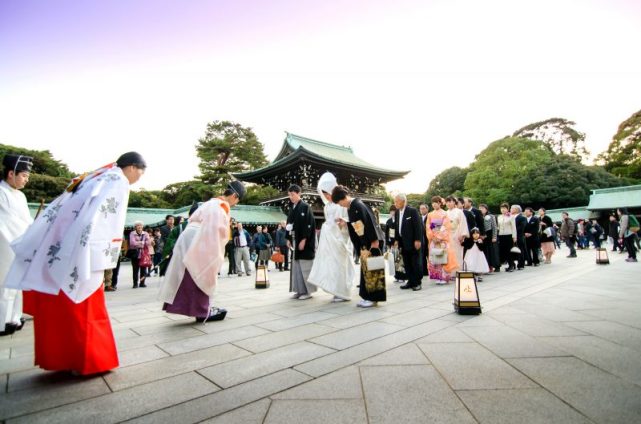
x,y
333,270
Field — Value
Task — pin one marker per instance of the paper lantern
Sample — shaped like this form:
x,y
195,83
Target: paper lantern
x,y
466,295
262,278
602,256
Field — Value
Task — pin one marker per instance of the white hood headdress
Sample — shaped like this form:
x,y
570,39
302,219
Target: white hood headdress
x,y
326,183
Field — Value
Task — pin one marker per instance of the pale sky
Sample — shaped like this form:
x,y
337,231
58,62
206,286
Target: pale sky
x,y
415,85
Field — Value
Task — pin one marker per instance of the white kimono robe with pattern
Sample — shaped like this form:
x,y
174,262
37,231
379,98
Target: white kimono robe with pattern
x,y
75,239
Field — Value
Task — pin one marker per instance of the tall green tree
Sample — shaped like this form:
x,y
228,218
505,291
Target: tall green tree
x,y
558,134
450,181
493,174
623,157
228,147
560,182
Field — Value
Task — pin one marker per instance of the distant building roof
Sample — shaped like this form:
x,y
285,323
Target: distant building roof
x,y
247,214
618,197
574,213
296,147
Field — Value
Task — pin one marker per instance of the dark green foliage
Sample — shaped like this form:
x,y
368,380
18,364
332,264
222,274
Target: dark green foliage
x,y
623,157
227,147
257,194
561,182
43,161
450,181
185,193
44,187
49,177
148,199
492,176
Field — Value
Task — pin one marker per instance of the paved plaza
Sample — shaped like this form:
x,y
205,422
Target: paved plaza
x,y
559,343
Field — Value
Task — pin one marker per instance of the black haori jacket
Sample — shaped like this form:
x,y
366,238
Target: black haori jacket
x,y
304,227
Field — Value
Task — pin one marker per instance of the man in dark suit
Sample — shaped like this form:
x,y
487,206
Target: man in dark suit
x,y
531,238
468,204
423,209
468,242
520,221
409,238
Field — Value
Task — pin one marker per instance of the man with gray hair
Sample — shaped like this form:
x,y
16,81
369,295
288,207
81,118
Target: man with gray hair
x,y
409,230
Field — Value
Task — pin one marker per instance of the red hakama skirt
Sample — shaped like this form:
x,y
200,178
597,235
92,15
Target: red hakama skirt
x,y
70,336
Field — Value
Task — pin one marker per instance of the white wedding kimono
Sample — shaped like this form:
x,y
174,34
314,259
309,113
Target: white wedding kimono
x,y
75,239
333,268
14,220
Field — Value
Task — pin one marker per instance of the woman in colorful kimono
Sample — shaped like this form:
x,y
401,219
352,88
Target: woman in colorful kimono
x,y
458,232
60,263
333,269
442,258
366,235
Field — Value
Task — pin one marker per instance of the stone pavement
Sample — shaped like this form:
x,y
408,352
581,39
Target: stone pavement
x,y
558,343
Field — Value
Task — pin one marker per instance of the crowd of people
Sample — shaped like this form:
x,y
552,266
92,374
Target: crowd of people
x,y
63,261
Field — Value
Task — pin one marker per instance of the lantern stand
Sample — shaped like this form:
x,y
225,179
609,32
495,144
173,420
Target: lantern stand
x,y
602,256
466,295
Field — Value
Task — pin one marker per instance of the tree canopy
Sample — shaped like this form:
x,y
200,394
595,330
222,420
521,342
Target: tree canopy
x,y
228,147
561,182
623,157
558,134
495,170
450,181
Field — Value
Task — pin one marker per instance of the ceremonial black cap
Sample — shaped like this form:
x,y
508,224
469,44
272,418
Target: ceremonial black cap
x,y
17,163
238,188
131,158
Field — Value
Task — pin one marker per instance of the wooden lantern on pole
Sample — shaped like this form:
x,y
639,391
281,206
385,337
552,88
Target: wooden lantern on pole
x,y
466,295
602,256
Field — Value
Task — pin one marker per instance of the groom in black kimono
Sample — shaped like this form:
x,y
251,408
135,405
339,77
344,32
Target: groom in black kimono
x,y
366,234
301,226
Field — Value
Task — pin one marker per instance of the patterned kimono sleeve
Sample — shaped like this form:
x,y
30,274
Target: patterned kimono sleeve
x,y
104,236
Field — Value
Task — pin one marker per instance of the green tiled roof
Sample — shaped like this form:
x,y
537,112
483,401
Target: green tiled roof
x,y
341,154
618,197
247,214
575,213
296,146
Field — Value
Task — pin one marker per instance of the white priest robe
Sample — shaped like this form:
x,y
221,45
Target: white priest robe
x,y
75,239
60,263
14,220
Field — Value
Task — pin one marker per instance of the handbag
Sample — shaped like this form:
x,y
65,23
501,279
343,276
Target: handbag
x,y
145,258
278,258
515,250
376,263
438,255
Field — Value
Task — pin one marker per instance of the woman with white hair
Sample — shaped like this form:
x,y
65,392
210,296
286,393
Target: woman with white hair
x,y
333,270
139,241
